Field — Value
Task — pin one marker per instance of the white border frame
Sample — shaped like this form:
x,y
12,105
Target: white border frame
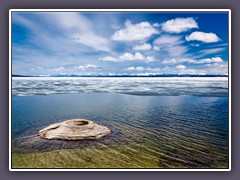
x,y
119,10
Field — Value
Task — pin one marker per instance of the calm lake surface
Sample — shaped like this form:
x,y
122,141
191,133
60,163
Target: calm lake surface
x,y
156,122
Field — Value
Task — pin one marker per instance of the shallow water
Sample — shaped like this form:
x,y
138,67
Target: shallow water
x,y
148,131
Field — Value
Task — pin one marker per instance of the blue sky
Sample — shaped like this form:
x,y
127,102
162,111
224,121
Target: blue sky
x,y
45,43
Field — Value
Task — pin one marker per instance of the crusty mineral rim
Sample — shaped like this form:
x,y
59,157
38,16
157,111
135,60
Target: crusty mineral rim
x,y
81,124
74,129
78,122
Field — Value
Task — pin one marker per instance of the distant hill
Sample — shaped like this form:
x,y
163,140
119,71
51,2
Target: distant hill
x,y
17,75
125,75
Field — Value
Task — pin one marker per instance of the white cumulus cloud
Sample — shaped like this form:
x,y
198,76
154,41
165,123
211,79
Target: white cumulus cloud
x,y
139,68
207,60
131,68
202,36
180,67
179,25
217,68
129,57
142,47
150,59
156,25
133,32
85,67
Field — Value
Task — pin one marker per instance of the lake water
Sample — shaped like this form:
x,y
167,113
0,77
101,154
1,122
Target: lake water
x,y
164,86
156,122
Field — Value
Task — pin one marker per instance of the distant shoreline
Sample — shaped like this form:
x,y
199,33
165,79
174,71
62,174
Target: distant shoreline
x,y
152,75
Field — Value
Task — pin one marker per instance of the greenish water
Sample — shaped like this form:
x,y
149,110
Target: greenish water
x,y
148,131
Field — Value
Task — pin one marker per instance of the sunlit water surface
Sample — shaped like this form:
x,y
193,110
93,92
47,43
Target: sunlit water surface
x,y
156,122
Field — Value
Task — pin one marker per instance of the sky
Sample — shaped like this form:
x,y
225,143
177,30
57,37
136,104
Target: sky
x,y
48,43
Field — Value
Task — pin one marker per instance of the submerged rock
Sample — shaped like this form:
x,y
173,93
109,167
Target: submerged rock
x,y
74,129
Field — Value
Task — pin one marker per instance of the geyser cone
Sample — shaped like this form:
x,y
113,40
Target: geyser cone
x,y
74,129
